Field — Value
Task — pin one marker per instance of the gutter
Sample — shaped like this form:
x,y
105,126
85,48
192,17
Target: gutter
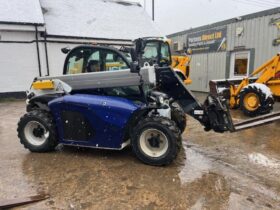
x,y
38,53
21,23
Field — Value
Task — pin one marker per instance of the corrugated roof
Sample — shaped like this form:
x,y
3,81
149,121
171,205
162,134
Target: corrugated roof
x,y
111,19
21,11
229,21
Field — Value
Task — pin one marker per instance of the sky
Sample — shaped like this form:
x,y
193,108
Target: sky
x,y
177,15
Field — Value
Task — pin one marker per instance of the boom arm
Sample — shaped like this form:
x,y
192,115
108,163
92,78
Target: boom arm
x,y
214,113
268,70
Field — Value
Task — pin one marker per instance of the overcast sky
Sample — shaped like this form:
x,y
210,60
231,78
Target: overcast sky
x,y
176,15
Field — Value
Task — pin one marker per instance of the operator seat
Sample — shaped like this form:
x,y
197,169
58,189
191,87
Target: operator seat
x,y
93,66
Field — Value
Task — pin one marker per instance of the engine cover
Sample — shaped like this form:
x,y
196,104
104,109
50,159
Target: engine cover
x,y
92,120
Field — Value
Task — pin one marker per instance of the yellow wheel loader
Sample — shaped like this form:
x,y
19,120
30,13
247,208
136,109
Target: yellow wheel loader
x,y
255,94
181,64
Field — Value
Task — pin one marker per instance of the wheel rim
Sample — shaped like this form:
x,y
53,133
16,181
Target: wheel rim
x,y
153,142
35,133
251,101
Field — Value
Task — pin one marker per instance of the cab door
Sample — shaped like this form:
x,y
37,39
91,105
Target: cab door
x,y
88,59
83,60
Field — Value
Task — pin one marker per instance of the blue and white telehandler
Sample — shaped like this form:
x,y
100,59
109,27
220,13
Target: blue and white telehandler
x,y
109,98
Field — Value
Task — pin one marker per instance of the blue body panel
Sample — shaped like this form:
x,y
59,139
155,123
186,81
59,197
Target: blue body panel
x,y
107,116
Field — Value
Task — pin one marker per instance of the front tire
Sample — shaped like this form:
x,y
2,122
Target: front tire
x,y
256,99
156,141
36,131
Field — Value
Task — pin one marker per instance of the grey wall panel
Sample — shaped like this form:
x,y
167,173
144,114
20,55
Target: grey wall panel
x,y
205,67
197,72
258,34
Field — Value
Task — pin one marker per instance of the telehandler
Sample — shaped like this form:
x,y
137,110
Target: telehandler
x,y
253,94
107,108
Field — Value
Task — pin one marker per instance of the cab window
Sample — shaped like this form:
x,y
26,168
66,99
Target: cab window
x,y
87,60
150,54
94,63
77,61
165,54
114,62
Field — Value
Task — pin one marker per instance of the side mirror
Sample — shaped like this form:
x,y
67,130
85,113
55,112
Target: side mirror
x,y
65,50
134,67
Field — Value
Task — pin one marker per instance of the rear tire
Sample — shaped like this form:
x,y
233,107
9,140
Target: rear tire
x,y
156,141
254,101
36,131
178,116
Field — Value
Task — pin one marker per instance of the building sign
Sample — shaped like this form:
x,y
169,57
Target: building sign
x,y
213,40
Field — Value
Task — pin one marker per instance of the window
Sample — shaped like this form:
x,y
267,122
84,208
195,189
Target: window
x,y
87,60
156,53
151,52
75,64
114,62
94,62
77,61
240,64
165,54
175,46
128,57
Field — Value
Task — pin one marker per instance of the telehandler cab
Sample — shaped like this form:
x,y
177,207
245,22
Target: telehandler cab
x,y
141,102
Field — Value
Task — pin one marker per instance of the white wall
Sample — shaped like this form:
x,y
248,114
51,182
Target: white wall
x,y
56,57
18,62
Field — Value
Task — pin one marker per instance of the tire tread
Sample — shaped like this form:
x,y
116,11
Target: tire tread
x,y
167,124
47,119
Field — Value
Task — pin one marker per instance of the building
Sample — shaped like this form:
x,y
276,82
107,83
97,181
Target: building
x,y
230,49
32,33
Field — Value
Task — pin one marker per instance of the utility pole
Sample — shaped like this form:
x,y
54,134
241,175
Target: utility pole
x,y
153,9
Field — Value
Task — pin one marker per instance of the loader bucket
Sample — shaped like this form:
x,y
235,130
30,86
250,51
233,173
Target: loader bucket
x,y
221,87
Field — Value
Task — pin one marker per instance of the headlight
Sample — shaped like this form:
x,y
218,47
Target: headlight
x,y
160,99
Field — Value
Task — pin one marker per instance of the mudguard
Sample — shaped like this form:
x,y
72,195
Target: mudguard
x,y
92,120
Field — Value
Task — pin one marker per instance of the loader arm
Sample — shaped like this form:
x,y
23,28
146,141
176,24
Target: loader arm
x,y
214,113
268,70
